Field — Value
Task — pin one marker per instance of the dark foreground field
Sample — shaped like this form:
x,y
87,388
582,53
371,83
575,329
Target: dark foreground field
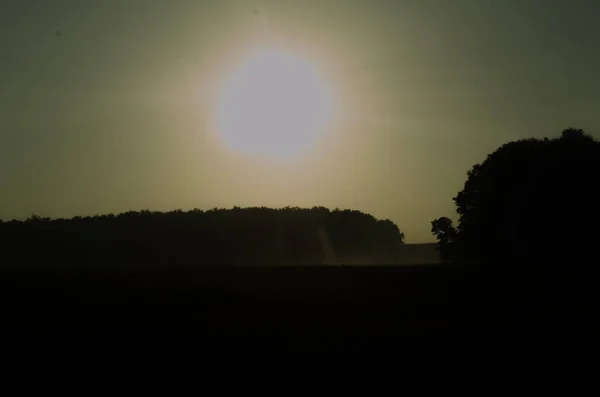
x,y
271,321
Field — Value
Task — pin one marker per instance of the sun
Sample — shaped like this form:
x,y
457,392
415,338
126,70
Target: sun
x,y
275,104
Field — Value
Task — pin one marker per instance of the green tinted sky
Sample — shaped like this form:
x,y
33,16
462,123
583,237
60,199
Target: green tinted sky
x,y
105,105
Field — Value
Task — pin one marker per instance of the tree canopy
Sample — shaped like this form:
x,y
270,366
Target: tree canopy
x,y
237,236
531,201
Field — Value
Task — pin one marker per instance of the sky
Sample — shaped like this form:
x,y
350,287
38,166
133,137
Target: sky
x,y
108,106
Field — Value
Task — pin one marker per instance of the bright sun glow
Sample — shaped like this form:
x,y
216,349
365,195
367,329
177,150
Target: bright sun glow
x,y
275,104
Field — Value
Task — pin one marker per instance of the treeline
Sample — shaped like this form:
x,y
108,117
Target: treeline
x,y
531,202
237,236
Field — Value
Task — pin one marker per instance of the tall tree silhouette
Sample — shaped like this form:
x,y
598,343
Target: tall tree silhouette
x,y
533,201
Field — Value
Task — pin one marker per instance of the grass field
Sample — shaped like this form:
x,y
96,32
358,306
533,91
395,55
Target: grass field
x,y
239,316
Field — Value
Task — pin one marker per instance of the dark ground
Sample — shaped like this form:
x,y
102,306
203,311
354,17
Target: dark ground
x,y
270,323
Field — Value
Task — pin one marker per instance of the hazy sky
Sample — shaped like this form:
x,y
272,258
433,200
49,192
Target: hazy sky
x,y
107,106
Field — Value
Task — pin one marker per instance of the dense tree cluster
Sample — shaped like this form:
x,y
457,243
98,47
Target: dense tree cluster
x,y
235,236
533,201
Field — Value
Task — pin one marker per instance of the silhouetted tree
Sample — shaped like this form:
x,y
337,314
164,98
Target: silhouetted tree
x,y
573,134
446,233
237,236
533,201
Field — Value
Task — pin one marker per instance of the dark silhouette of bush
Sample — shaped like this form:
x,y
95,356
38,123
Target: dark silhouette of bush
x,y
446,234
237,236
533,201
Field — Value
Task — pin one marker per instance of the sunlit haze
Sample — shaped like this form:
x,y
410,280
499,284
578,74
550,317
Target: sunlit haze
x,y
375,105
275,104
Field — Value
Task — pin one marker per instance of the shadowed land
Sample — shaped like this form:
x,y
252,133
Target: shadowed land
x,y
436,309
231,288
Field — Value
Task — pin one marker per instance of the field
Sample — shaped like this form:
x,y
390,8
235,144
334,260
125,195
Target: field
x,y
269,318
